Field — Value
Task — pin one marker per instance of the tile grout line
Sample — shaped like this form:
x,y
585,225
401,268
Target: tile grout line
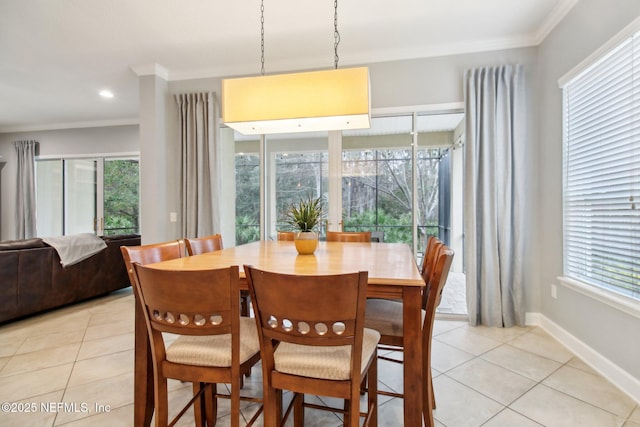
x,y
66,387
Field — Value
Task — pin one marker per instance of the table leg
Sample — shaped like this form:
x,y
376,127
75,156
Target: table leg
x,y
245,303
142,372
412,318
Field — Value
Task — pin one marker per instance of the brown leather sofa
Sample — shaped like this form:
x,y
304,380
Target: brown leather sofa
x,y
32,279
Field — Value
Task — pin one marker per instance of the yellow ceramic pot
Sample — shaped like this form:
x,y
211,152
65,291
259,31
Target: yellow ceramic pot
x,y
306,242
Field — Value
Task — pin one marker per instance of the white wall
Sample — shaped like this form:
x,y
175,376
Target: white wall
x,y
603,329
103,140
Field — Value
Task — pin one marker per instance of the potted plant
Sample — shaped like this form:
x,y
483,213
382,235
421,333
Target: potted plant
x,y
304,217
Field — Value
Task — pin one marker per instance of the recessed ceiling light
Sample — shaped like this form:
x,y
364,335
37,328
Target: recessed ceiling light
x,y
106,93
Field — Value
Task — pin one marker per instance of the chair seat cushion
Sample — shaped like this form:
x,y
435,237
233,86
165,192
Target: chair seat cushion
x,y
385,316
215,350
331,363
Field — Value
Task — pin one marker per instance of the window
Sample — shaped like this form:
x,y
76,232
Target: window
x,y
121,196
247,198
298,176
387,179
601,171
87,195
377,192
393,179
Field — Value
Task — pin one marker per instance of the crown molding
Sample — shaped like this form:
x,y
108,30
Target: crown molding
x,y
151,69
72,125
557,14
301,64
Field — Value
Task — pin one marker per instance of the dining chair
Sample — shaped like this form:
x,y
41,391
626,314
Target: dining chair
x,y
286,235
148,254
214,345
348,236
378,308
313,341
437,280
386,317
201,245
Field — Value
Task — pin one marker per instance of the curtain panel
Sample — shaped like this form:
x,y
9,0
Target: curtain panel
x,y
199,165
26,189
494,195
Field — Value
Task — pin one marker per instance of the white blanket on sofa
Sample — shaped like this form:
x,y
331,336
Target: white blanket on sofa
x,y
76,247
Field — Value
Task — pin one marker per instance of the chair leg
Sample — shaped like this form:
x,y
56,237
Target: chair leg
x,y
211,405
433,395
352,411
372,396
161,402
272,405
298,410
235,402
363,385
199,405
427,399
346,412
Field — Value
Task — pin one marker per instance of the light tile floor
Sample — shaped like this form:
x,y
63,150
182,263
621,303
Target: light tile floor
x,y
74,367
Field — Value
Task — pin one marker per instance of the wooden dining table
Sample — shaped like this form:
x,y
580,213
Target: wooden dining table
x,y
393,274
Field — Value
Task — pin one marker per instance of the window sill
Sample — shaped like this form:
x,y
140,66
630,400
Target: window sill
x,y
625,304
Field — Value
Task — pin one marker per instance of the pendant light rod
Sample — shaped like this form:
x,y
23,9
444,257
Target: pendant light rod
x,y
336,34
262,37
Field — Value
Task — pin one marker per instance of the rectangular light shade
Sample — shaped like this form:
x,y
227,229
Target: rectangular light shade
x,y
299,102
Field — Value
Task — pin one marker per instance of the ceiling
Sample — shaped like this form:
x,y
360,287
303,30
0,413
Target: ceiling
x,y
55,56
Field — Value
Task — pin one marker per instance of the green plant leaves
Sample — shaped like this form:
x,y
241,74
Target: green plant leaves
x,y
306,214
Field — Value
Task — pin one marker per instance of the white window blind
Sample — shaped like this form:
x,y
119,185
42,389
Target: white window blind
x,y
602,172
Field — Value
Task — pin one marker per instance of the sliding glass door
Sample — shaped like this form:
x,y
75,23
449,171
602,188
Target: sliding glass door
x,y
87,195
49,198
80,196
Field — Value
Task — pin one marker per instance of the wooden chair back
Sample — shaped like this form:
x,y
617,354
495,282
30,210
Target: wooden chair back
x,y
437,279
201,245
286,235
348,236
311,310
149,254
190,302
434,245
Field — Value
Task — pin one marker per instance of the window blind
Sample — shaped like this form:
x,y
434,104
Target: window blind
x,y
601,168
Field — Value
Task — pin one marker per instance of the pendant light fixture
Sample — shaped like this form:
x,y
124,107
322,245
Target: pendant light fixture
x,y
324,100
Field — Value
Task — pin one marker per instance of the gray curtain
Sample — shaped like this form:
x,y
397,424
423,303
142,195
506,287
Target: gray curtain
x,y
200,167
494,195
26,189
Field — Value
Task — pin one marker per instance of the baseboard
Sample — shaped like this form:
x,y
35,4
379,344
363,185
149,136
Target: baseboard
x,y
612,372
452,316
